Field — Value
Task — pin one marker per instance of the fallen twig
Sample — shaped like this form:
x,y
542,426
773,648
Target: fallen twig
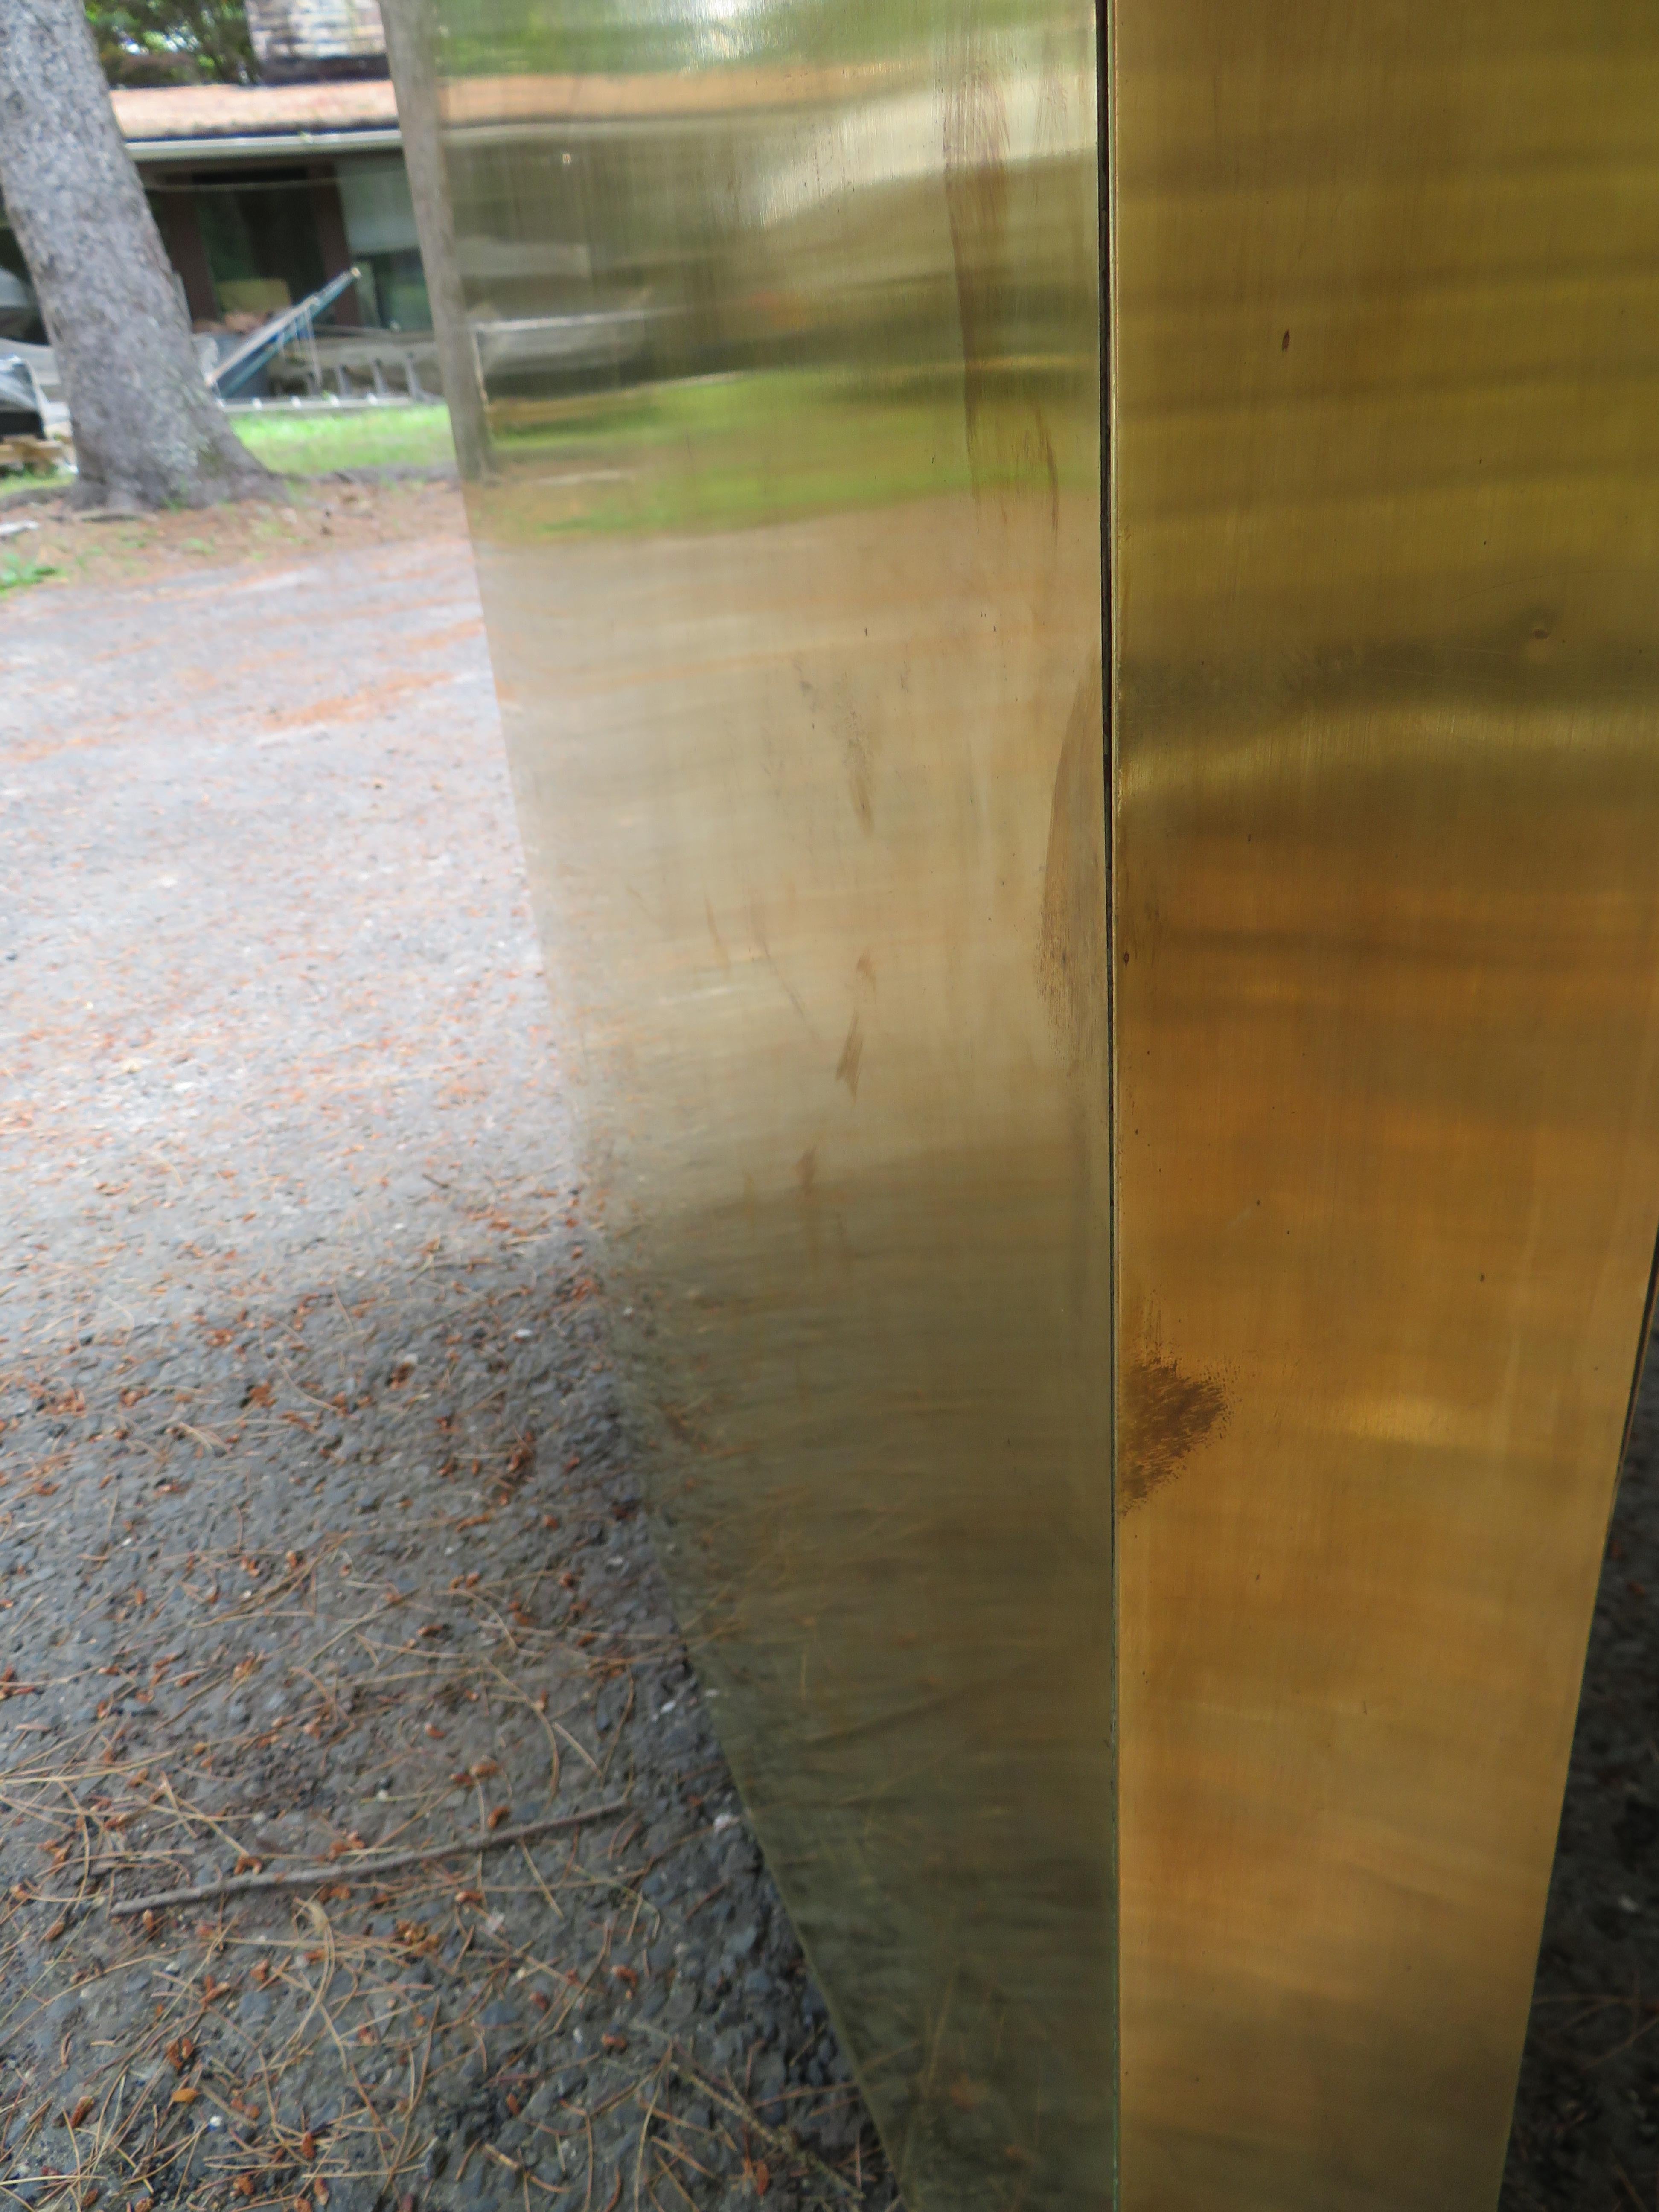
x,y
358,1866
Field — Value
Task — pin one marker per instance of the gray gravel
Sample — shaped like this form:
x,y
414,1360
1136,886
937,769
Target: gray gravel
x,y
317,1531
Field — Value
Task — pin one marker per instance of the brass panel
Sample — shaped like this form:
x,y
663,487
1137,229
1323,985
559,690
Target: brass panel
x,y
1386,917
789,313
789,316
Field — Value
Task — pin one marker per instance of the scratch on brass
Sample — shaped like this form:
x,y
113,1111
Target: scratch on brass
x,y
1164,1415
1050,468
858,780
977,203
715,931
852,1057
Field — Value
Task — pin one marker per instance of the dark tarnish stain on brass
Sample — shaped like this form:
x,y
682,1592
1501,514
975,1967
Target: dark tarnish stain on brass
x,y
1164,1415
1071,951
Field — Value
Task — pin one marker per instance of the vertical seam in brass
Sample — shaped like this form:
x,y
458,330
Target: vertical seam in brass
x,y
1106,248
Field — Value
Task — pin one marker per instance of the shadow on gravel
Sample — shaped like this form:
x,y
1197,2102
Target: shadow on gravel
x,y
316,1535
285,1588
1586,2135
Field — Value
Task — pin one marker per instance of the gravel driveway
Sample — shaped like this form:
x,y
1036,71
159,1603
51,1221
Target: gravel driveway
x,y
316,1536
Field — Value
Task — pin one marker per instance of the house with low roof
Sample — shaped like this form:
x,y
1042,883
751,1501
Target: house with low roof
x,y
263,192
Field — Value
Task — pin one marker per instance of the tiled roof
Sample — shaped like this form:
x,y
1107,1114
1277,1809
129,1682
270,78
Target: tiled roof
x,y
185,114
188,112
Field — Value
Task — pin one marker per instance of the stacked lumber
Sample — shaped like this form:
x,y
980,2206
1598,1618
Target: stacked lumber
x,y
37,456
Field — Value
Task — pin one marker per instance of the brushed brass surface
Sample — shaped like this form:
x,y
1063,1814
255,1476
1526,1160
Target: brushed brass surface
x,y
788,314
1387,944
789,319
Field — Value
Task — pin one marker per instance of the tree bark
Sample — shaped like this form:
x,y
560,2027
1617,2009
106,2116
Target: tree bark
x,y
411,42
148,431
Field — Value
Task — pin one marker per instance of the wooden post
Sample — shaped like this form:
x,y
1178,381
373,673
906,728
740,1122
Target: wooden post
x,y
172,202
336,248
410,42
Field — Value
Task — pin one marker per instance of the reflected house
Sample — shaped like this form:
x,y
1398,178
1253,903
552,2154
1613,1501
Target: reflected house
x,y
601,235
263,192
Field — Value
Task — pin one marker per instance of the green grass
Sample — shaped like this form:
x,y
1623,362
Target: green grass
x,y
17,575
723,452
312,444
11,486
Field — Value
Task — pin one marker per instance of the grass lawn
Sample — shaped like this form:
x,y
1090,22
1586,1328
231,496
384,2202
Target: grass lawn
x,y
720,452
55,480
724,451
311,444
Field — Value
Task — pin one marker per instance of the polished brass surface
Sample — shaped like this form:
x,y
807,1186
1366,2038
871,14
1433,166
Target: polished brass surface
x,y
788,315
1386,947
789,320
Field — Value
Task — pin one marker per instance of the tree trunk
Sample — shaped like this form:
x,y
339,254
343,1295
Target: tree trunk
x,y
148,431
411,39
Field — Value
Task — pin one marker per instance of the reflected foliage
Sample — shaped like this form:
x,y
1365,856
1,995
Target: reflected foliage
x,y
626,37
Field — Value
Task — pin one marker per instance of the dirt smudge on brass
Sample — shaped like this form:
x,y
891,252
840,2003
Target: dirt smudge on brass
x,y
1164,1416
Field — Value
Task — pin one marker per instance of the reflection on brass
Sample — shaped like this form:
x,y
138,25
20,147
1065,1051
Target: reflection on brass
x,y
788,314
789,319
1387,936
